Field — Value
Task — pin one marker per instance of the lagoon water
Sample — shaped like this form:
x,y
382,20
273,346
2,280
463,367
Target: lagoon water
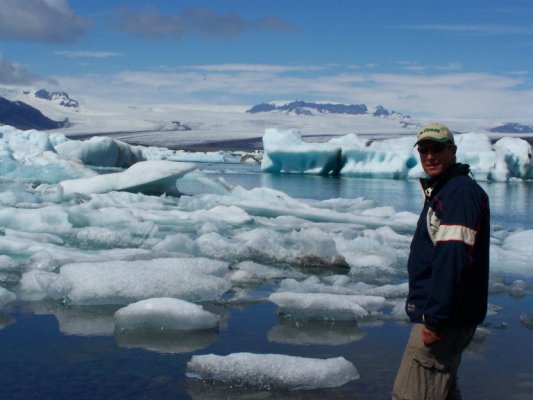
x,y
50,350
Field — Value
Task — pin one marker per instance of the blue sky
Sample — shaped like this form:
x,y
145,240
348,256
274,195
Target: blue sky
x,y
454,58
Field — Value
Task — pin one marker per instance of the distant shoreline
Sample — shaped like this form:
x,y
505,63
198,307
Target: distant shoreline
x,y
248,145
245,144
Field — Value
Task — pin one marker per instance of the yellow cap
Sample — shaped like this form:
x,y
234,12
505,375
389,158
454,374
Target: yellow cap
x,y
436,132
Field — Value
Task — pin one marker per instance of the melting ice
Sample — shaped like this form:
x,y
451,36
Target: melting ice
x,y
114,257
273,371
286,152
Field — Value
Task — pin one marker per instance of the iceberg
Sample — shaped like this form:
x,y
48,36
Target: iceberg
x,y
350,156
100,151
30,155
273,371
164,314
288,153
149,177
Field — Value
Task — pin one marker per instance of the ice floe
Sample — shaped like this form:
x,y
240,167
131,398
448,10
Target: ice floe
x,y
272,371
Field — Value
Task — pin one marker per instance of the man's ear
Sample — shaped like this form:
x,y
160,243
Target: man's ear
x,y
454,149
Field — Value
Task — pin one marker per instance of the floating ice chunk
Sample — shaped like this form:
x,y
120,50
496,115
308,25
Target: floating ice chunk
x,y
98,237
124,282
100,151
248,271
37,285
518,288
326,305
493,309
164,314
30,155
6,296
49,219
514,255
273,371
286,152
149,177
526,321
390,291
398,310
311,248
8,264
342,284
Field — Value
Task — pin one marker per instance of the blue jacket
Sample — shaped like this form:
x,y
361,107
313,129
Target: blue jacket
x,y
449,259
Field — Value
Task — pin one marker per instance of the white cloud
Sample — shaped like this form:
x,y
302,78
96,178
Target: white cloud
x,y
476,29
12,73
87,54
40,20
267,68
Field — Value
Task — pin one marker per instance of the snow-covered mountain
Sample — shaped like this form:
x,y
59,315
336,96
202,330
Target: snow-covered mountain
x,y
195,126
23,116
300,107
61,98
512,127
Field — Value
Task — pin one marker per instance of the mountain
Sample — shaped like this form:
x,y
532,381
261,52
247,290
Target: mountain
x,y
23,116
62,98
299,107
512,127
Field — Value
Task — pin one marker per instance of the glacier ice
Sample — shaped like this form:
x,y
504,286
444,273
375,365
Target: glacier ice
x,y
123,282
164,314
326,306
286,152
272,371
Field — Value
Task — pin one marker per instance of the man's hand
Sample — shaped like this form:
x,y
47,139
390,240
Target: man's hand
x,y
429,336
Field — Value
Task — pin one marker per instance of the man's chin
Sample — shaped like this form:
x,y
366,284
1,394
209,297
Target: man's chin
x,y
433,170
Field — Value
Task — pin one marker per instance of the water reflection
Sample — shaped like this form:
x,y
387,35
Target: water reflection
x,y
79,320
5,320
170,342
199,390
290,331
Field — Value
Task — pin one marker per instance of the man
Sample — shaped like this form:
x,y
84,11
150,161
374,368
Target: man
x,y
448,270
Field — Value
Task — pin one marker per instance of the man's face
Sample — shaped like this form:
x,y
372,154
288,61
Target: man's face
x,y
436,157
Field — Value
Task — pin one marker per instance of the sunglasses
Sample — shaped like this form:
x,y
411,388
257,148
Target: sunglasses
x,y
435,148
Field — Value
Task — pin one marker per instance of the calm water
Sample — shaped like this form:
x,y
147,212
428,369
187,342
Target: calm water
x,y
44,356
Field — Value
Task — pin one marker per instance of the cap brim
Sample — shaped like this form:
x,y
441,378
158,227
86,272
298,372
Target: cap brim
x,y
432,139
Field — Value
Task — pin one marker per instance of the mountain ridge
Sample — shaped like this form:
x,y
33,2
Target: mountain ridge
x,y
23,116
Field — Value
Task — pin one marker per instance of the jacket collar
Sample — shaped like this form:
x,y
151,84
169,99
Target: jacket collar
x,y
431,186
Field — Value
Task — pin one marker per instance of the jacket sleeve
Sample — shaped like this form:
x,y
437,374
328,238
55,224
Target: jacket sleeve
x,y
453,225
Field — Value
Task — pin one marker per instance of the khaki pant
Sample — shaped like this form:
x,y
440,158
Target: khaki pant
x,y
430,372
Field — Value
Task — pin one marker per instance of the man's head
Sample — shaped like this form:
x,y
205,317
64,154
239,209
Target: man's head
x,y
436,148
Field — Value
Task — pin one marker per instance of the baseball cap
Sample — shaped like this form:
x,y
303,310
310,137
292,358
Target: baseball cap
x,y
435,132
